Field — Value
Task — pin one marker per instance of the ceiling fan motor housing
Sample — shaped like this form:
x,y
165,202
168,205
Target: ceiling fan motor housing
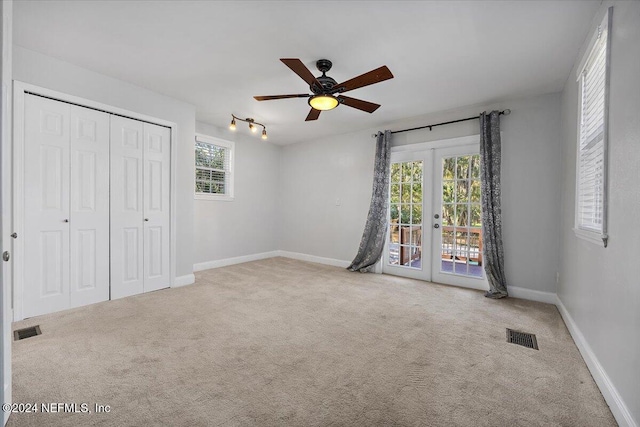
x,y
327,82
323,65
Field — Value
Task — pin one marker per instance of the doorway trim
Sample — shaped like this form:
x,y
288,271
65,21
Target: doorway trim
x,y
19,91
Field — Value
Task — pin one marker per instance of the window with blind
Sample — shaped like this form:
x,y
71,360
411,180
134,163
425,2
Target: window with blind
x,y
592,139
214,168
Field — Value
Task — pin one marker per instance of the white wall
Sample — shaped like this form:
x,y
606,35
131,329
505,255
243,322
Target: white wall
x,y
45,71
249,224
600,287
316,173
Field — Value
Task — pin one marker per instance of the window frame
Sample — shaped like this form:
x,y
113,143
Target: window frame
x,y
229,178
595,236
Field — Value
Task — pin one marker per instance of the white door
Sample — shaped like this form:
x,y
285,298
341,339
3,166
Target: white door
x,y
434,216
140,207
157,150
46,206
457,240
89,219
127,234
406,253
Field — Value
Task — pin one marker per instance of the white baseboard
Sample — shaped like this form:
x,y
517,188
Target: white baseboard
x,y
235,260
314,258
185,280
532,295
608,390
264,255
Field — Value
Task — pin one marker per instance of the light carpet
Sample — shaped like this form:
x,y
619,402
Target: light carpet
x,y
280,342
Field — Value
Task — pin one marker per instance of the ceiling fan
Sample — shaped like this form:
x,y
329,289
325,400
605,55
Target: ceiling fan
x,y
327,93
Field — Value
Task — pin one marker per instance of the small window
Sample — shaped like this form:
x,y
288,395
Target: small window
x,y
214,168
591,170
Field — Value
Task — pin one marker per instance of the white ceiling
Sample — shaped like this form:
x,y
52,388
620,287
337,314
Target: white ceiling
x,y
217,55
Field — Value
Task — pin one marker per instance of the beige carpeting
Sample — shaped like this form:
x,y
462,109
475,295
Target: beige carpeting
x,y
280,342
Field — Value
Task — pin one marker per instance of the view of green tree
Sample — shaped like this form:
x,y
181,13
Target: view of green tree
x,y
406,193
460,186
210,164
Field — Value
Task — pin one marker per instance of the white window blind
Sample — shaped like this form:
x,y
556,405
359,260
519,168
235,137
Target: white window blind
x,y
592,168
214,174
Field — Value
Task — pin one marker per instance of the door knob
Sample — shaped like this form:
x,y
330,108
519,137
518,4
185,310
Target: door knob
x,y
14,235
6,255
436,225
436,216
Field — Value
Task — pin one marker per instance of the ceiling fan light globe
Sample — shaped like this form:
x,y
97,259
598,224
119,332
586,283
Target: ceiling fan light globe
x,y
323,102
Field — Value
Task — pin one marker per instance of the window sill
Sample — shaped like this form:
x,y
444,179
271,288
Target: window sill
x,y
589,236
214,197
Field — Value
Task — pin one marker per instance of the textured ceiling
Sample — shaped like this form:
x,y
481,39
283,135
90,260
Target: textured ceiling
x,y
217,55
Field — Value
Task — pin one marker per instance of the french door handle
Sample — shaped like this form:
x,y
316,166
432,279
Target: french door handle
x,y
146,219
436,225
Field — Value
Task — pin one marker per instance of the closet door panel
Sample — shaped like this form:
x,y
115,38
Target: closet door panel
x,y
157,154
46,206
127,231
89,225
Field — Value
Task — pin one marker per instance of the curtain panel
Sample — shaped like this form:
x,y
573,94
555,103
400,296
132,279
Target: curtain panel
x,y
375,229
490,165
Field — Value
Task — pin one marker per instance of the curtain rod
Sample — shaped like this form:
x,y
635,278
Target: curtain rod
x,y
430,127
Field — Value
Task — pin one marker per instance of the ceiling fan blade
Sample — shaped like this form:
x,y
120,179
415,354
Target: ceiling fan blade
x,y
300,69
374,76
270,97
369,107
313,115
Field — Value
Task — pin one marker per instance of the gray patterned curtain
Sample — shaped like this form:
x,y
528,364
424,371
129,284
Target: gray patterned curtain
x,y
490,157
375,229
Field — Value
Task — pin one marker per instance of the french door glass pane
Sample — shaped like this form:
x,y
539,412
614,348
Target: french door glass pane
x,y
461,251
405,214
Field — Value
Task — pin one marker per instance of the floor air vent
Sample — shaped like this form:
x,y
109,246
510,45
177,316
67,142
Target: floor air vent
x,y
522,338
21,334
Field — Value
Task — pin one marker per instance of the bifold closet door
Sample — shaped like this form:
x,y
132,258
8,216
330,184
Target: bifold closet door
x,y
46,206
89,223
66,222
140,209
157,155
126,207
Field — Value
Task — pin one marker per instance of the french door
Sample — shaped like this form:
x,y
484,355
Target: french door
x,y
435,227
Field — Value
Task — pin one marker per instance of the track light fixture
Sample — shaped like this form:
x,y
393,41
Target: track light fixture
x,y
252,125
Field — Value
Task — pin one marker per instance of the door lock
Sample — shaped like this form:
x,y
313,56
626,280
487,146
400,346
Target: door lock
x,y
6,255
436,225
14,235
436,216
